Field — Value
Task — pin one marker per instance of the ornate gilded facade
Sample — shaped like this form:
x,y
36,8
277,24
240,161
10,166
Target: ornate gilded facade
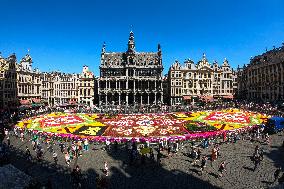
x,y
201,80
263,78
130,77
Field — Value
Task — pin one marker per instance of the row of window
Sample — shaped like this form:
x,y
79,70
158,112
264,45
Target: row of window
x,y
29,89
66,93
200,75
85,92
180,92
28,78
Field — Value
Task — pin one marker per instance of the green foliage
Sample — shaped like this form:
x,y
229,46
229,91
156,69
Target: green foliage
x,y
199,127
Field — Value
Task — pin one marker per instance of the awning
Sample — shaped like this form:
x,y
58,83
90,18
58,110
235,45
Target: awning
x,y
37,105
25,102
186,97
206,98
36,100
24,107
228,96
72,101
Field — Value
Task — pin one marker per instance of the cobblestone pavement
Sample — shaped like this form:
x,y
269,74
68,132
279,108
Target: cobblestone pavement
x,y
176,171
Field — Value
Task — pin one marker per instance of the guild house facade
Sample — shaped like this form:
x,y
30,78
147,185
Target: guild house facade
x,y
202,80
131,77
263,78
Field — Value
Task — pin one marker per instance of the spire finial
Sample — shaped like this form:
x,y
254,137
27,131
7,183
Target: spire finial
x,y
104,47
204,56
131,28
28,51
131,43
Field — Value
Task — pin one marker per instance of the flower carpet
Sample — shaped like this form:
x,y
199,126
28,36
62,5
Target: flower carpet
x,y
182,125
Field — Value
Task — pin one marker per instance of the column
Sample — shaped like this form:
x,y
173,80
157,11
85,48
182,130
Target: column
x,y
141,95
99,100
148,98
155,85
106,98
162,100
119,96
134,86
126,99
115,84
155,97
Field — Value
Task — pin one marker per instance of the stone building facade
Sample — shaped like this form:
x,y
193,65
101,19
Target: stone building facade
x,y
65,88
61,88
20,84
201,80
29,82
131,77
263,78
8,82
47,88
86,87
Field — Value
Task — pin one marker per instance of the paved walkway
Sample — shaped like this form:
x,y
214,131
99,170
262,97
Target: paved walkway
x,y
176,171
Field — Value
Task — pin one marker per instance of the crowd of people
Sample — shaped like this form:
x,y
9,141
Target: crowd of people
x,y
137,152
196,150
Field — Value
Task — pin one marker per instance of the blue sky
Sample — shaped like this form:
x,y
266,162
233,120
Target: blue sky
x,y
65,35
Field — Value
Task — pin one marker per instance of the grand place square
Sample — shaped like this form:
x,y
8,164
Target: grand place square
x,y
188,110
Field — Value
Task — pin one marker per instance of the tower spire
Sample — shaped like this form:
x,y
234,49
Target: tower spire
x,y
104,47
131,42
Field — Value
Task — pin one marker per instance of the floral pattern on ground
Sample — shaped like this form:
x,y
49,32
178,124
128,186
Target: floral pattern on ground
x,y
142,125
181,124
228,119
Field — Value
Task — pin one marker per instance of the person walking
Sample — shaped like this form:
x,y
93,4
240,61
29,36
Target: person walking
x,y
203,164
54,155
159,155
76,176
277,174
267,139
256,161
194,156
106,169
61,145
169,150
22,136
213,155
67,159
8,140
221,169
86,145
152,158
28,154
198,154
